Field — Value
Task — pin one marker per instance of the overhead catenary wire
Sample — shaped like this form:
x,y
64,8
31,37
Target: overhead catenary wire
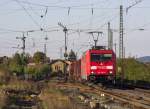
x,y
66,7
35,12
131,6
78,23
35,22
81,29
5,3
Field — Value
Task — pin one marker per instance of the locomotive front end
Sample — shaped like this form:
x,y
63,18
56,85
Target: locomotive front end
x,y
102,65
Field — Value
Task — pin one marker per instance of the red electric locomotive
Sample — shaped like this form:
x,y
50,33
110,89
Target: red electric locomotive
x,y
98,64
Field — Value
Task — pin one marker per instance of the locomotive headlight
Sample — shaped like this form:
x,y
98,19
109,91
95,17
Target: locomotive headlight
x,y
109,67
92,72
93,67
110,72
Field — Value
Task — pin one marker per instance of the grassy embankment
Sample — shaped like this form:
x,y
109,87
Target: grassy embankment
x,y
135,71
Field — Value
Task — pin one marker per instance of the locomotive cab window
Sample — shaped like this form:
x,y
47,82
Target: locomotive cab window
x,y
100,57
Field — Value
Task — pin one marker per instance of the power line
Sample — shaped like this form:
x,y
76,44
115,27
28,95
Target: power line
x,y
65,7
35,22
136,2
5,3
9,30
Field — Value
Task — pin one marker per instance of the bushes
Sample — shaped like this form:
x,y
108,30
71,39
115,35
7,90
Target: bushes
x,y
135,70
18,69
4,74
38,72
17,63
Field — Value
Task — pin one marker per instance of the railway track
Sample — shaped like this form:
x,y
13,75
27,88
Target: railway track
x,y
143,91
132,98
125,96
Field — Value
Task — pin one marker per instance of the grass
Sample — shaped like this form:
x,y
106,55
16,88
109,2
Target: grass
x,y
2,99
56,98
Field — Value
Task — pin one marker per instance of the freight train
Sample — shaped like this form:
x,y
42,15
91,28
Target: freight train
x,y
94,65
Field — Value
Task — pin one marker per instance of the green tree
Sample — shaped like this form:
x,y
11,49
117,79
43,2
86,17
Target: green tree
x,y
39,57
16,64
25,58
17,59
39,71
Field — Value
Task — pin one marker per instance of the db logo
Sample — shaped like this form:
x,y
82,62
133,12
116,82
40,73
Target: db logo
x,y
102,67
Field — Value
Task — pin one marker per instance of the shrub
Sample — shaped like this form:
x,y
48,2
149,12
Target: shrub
x,y
39,71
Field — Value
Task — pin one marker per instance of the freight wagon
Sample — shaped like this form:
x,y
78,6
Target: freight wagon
x,y
75,71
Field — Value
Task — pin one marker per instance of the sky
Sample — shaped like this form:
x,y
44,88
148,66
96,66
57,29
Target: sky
x,y
29,17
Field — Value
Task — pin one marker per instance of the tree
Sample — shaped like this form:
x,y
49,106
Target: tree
x,y
25,58
16,64
39,57
39,71
17,59
72,56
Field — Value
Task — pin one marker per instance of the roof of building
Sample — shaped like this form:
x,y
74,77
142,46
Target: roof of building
x,y
54,61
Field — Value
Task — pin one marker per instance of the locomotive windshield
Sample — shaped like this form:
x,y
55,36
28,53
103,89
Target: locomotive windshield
x,y
100,57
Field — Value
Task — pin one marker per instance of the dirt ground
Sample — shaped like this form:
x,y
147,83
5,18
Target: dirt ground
x,y
54,95
55,98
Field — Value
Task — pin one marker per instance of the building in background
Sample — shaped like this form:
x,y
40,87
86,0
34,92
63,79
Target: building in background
x,y
59,66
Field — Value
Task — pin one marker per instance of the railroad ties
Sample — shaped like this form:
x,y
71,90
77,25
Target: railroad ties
x,y
139,98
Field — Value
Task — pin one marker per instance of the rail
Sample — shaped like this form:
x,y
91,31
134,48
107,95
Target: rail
x,y
124,98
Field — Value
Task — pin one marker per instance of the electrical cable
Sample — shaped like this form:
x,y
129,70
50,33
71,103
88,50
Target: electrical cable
x,y
5,3
35,22
57,6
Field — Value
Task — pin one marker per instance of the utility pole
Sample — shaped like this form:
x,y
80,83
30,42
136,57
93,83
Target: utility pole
x,y
65,30
45,48
124,52
115,44
121,33
110,37
45,45
23,38
46,38
121,44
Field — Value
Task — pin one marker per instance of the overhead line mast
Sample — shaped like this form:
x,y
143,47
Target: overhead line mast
x,y
136,2
110,37
121,44
65,30
121,33
23,38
